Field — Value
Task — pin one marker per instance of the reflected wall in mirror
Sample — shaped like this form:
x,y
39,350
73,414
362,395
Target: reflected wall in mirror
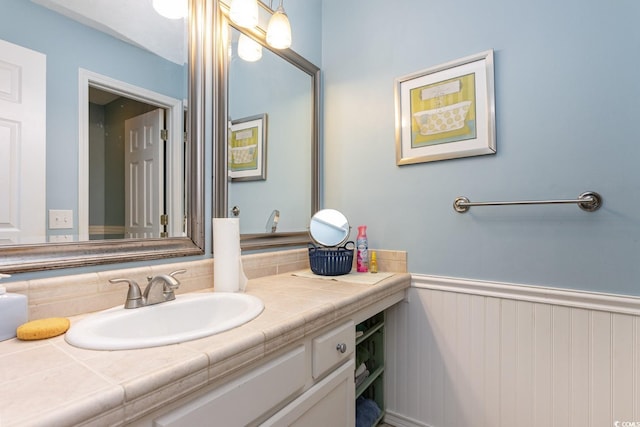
x,y
283,93
285,88
105,44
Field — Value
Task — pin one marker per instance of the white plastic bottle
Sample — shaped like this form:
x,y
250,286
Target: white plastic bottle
x,y
13,312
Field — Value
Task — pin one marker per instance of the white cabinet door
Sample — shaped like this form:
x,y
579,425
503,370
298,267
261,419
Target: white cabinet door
x,y
331,402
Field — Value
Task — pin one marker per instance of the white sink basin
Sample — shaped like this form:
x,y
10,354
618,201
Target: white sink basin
x,y
188,317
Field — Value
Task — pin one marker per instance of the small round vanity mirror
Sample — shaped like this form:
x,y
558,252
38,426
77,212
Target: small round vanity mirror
x,y
329,227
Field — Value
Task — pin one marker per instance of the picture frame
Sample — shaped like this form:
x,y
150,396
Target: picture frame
x,y
446,111
247,149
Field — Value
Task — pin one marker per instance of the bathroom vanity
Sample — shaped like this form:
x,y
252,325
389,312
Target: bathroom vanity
x,y
289,366
313,378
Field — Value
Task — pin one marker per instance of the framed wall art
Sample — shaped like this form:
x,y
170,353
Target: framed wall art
x,y
247,154
446,112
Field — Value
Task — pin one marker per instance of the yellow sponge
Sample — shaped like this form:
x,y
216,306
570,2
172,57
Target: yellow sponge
x,y
43,328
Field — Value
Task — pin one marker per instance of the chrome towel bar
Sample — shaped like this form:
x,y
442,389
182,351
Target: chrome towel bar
x,y
589,201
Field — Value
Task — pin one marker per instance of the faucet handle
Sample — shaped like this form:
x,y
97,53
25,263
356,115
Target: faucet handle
x,y
134,296
182,270
172,274
175,285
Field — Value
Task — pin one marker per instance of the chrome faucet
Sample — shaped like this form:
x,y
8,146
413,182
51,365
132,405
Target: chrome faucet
x,y
159,289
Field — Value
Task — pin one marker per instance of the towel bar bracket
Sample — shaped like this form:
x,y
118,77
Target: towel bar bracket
x,y
589,201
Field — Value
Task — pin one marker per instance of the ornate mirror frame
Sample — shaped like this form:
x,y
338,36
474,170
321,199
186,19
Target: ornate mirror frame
x,y
38,257
220,111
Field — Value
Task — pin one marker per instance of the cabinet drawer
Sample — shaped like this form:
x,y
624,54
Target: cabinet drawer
x,y
243,400
329,402
331,348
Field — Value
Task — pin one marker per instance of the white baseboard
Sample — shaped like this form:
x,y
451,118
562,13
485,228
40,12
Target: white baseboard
x,y
397,420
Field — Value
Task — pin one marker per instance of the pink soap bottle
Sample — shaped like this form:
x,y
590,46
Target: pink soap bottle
x,y
362,245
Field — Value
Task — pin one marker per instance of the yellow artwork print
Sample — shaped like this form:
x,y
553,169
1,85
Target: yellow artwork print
x,y
443,112
243,149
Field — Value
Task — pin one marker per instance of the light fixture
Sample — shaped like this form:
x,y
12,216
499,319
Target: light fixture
x,y
172,9
244,13
279,29
249,49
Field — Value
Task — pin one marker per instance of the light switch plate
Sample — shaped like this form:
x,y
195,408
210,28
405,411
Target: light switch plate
x,y
60,219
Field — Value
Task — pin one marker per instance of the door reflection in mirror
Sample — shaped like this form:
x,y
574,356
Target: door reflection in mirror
x,y
109,217
22,144
95,43
72,41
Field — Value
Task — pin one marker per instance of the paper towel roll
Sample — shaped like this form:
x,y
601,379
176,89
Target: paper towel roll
x,y
228,275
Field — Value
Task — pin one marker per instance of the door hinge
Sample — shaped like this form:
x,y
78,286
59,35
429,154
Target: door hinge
x,y
164,135
185,137
164,221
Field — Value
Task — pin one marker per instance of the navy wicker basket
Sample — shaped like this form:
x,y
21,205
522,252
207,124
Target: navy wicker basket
x,y
331,261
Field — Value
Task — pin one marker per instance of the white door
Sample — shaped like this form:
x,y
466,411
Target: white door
x,y
144,172
23,120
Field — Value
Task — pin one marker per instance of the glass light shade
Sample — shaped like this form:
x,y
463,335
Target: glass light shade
x,y
249,49
279,30
172,9
244,13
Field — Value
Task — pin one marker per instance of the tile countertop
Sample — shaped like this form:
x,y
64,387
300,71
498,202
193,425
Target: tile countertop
x,y
49,382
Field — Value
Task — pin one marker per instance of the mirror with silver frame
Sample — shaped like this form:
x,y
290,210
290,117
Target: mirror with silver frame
x,y
282,88
77,62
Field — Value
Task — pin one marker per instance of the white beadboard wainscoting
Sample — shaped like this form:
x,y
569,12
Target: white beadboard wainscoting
x,y
464,353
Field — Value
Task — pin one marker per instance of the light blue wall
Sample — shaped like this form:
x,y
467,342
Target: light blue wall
x,y
567,104
306,27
